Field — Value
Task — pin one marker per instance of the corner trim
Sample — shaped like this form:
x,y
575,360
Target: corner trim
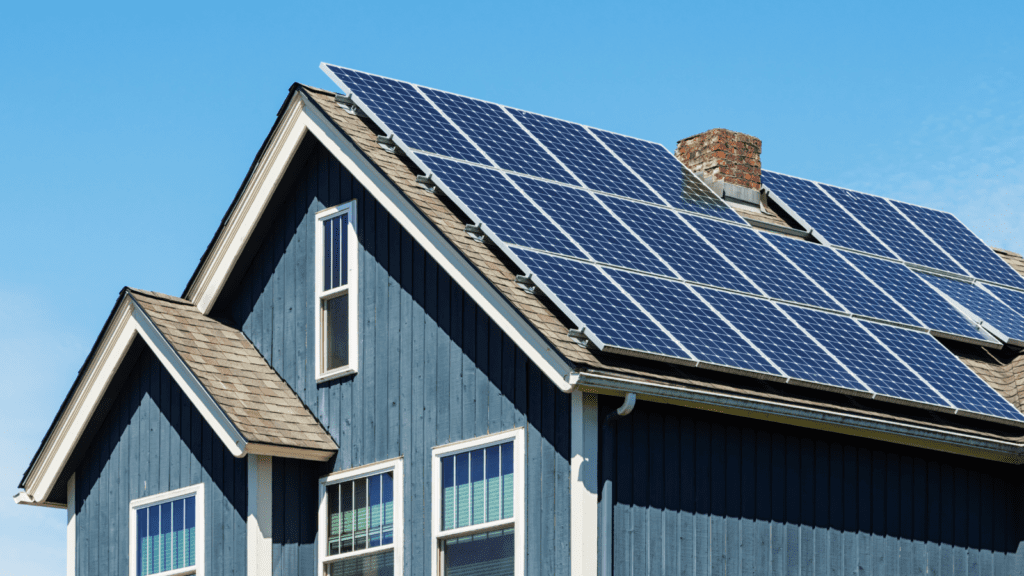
x,y
259,522
583,491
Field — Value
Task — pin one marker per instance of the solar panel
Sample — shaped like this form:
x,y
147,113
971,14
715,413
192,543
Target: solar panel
x,y
706,336
585,156
409,114
842,281
591,225
917,296
822,213
600,305
982,304
1012,298
945,372
956,239
666,174
761,263
499,136
847,340
687,253
504,209
896,231
780,339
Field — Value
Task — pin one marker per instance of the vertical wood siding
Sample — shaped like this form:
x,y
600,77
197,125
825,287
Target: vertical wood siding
x,y
153,440
704,494
433,369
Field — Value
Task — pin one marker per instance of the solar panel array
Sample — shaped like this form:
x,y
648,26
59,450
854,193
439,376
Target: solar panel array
x,y
647,260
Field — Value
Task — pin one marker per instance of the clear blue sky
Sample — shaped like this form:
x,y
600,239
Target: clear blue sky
x,y
126,130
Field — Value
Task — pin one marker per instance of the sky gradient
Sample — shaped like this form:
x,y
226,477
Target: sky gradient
x,y
127,129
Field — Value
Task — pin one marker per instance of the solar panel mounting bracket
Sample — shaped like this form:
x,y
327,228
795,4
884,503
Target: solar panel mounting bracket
x,y
349,105
526,283
389,145
476,232
427,182
580,337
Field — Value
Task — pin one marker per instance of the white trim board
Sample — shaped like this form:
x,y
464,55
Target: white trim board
x,y
583,491
128,322
259,522
303,116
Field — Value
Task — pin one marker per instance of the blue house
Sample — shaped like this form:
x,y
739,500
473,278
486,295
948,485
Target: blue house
x,y
434,335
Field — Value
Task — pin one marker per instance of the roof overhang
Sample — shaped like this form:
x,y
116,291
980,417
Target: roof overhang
x,y
128,322
301,117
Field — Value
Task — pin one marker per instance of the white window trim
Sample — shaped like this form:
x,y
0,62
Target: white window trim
x,y
518,520
393,465
198,490
352,289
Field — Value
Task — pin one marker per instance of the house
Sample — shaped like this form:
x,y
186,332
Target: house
x,y
363,378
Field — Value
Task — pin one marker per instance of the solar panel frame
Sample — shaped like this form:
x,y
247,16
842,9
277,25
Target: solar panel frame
x,y
446,139
898,233
996,314
826,219
849,286
948,374
961,244
656,166
865,356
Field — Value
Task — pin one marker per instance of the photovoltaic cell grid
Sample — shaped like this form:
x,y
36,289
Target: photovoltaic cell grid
x,y
948,232
822,213
842,281
945,372
686,252
780,339
675,182
896,231
921,299
409,114
864,356
691,322
1013,299
591,225
499,136
987,307
602,307
504,209
759,261
585,156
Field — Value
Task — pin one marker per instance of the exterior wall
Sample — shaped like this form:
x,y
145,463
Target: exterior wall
x,y
702,493
433,369
153,440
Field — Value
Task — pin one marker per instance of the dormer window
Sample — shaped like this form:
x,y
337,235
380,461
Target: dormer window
x,y
336,283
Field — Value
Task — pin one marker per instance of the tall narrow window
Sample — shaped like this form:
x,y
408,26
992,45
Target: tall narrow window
x,y
167,533
360,518
478,502
336,324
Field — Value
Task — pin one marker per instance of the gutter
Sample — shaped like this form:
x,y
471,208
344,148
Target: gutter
x,y
815,418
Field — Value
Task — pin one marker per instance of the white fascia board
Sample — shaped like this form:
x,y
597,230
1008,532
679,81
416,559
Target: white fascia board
x,y
806,417
253,200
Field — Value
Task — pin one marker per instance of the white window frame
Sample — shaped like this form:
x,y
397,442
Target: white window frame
x,y
352,289
518,520
196,490
394,466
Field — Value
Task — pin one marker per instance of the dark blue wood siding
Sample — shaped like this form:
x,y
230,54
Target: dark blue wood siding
x,y
433,369
699,493
153,440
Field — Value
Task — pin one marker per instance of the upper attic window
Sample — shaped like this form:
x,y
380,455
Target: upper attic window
x,y
336,283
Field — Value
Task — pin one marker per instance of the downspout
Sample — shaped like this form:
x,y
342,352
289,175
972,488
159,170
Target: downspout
x,y
607,489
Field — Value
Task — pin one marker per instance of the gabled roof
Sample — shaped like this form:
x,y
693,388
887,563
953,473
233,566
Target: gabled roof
x,y
250,408
673,383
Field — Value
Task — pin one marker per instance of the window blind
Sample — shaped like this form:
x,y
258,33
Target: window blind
x,y
166,536
477,486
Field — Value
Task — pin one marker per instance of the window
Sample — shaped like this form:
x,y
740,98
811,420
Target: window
x,y
336,283
167,533
478,506
361,521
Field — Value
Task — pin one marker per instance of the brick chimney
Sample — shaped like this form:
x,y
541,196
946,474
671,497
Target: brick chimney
x,y
730,162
